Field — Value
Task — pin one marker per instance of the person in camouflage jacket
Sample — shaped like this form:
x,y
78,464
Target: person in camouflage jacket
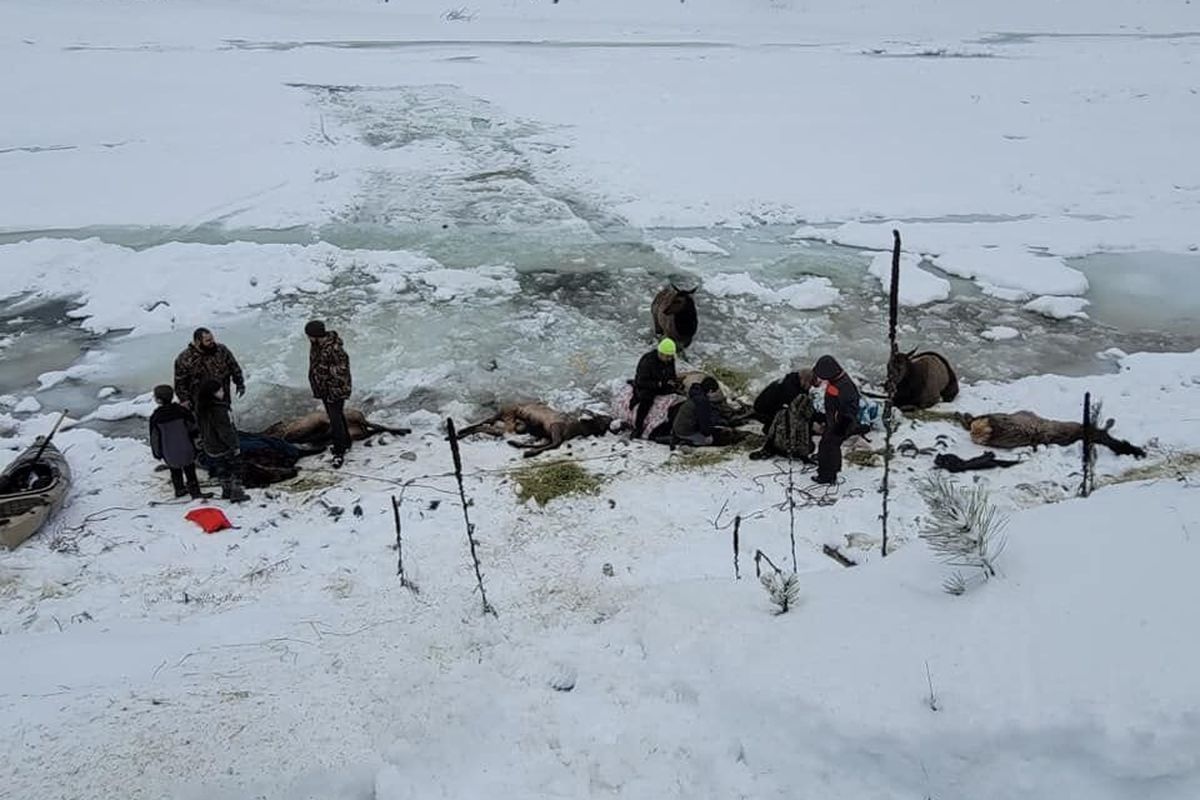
x,y
205,359
329,378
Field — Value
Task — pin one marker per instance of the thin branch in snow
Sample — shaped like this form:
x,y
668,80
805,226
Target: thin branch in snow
x,y
931,701
462,493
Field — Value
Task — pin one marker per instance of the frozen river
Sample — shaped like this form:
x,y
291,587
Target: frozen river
x,y
560,316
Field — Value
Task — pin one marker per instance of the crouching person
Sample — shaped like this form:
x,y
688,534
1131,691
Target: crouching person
x,y
787,408
697,419
841,417
172,434
220,439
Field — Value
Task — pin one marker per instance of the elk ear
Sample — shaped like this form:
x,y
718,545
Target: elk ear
x,y
673,286
690,292
911,353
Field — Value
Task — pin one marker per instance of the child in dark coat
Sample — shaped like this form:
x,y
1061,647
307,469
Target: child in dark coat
x,y
172,429
220,439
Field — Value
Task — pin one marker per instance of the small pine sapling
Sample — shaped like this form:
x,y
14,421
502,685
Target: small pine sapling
x,y
783,588
963,529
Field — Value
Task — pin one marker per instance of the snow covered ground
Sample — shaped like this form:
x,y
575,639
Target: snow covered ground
x,y
283,658
483,198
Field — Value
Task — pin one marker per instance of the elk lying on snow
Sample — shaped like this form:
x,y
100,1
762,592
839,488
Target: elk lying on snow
x,y
1027,429
920,380
541,422
314,428
674,314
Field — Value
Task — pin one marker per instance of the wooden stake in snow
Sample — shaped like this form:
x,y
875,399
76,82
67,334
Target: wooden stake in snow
x,y
894,295
462,495
791,487
737,525
893,312
1089,449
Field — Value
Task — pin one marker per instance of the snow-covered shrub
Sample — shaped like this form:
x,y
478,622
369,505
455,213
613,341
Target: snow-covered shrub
x,y
783,589
963,528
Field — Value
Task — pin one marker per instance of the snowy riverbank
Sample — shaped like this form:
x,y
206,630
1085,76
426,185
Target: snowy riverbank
x,y
283,659
483,199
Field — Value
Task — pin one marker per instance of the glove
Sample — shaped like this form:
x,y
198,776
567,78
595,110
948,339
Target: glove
x,y
241,390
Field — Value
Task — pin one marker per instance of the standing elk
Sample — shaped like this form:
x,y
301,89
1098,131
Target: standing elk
x,y
674,314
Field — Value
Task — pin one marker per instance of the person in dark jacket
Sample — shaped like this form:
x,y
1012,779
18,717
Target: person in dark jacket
x,y
172,434
780,394
788,409
220,438
841,417
655,376
697,417
205,359
329,378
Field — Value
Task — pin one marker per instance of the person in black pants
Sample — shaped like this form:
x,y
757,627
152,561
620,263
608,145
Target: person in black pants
x,y
329,378
220,438
655,376
172,441
841,417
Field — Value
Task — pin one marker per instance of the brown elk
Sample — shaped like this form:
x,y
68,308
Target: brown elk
x,y
314,428
920,380
1027,429
541,422
674,315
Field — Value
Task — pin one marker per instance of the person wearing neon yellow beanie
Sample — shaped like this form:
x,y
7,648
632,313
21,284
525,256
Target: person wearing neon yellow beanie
x,y
655,376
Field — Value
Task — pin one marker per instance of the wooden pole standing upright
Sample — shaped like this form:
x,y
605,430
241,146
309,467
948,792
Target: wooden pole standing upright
x,y
893,313
462,495
1088,449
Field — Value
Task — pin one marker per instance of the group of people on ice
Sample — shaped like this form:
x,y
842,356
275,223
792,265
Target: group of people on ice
x,y
193,421
784,408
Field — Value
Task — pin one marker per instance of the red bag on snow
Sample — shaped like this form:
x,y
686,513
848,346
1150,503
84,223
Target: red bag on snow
x,y
210,519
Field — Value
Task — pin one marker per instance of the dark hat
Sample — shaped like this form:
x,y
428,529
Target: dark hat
x,y
827,368
315,328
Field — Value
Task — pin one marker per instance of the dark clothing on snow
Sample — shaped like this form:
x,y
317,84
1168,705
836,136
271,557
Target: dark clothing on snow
x,y
952,463
329,368
172,433
653,377
264,460
195,365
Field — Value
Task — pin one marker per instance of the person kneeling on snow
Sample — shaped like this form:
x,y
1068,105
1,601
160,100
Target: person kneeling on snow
x,y
655,376
787,408
697,417
841,417
220,439
172,430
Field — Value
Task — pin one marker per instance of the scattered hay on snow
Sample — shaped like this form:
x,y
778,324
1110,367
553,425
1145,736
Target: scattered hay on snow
x,y
544,482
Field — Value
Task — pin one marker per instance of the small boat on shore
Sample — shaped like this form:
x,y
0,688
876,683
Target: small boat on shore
x,y
32,489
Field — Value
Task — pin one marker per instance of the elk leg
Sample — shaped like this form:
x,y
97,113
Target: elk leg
x,y
481,427
1118,446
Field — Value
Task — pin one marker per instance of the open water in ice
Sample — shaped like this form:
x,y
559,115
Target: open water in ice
x,y
579,316
580,319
